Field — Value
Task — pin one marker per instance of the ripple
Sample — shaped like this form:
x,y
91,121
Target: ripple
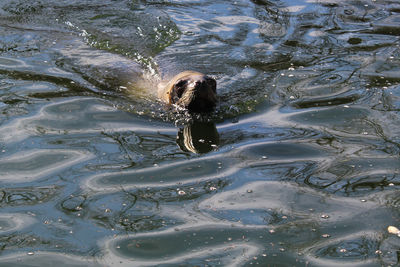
x,y
388,25
310,177
11,63
356,249
47,259
14,222
279,151
31,68
384,70
186,172
234,20
79,115
388,250
348,120
29,165
267,197
302,217
211,168
356,175
195,244
293,9
22,196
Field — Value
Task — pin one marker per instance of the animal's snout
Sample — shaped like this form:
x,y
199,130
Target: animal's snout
x,y
194,91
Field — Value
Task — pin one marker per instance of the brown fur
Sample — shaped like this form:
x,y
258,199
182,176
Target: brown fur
x,y
191,90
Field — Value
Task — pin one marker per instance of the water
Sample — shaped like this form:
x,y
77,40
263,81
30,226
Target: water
x,y
298,166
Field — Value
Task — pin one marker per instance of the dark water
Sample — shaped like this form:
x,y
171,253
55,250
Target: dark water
x,y
298,166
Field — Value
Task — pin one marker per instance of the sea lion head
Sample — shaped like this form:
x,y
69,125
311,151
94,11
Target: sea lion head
x,y
193,90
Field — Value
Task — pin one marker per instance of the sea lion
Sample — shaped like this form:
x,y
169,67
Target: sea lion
x,y
191,90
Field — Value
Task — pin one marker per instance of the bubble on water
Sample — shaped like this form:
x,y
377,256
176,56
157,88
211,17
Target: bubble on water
x,y
181,192
68,23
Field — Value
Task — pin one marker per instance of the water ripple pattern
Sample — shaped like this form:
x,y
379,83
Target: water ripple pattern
x,y
297,166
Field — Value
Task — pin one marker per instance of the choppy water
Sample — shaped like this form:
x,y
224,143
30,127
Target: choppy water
x,y
299,164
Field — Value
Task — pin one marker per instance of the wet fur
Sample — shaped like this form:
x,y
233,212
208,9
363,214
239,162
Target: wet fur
x,y
191,90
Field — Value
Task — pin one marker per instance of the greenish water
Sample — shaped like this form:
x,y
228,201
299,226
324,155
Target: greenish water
x,y
298,166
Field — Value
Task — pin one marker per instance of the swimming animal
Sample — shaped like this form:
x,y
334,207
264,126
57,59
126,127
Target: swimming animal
x,y
191,90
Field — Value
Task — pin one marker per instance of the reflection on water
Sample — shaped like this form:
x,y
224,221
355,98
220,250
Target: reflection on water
x,y
298,165
198,137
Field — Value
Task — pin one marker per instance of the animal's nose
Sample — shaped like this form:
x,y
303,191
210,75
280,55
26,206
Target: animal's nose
x,y
199,83
195,84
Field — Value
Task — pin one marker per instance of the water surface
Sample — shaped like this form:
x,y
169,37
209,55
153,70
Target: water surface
x,y
298,166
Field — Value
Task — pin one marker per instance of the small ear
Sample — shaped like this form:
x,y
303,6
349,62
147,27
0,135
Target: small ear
x,y
171,98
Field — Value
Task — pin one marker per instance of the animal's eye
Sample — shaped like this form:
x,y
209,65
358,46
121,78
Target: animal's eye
x,y
180,83
180,88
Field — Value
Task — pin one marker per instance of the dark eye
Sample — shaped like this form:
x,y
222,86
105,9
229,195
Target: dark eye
x,y
180,88
180,83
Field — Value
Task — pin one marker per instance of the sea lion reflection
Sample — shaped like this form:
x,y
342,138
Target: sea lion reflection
x,y
198,137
